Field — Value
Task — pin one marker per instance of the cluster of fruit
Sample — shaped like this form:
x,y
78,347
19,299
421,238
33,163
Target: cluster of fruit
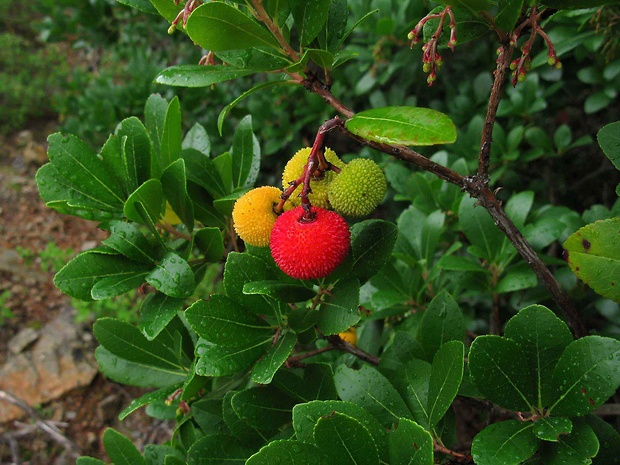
x,y
309,237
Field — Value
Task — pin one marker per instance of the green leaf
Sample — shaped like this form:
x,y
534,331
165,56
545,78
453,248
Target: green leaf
x,y
371,390
305,417
288,452
445,380
84,172
507,443
401,440
162,454
578,447
609,140
586,375
422,231
543,337
154,118
223,361
508,12
519,206
480,229
120,449
202,170
441,322
171,137
264,407
339,309
127,239
241,268
575,4
593,253
173,277
245,154
550,428
89,461
415,381
473,5
197,139
221,321
500,371
398,354
146,399
135,153
372,242
286,292
121,282
216,449
199,75
266,367
210,243
516,278
218,26
174,184
167,9
231,105
78,277
255,59
608,438
403,125
460,263
151,196
143,5
156,312
469,25
344,440
241,429
317,383
309,16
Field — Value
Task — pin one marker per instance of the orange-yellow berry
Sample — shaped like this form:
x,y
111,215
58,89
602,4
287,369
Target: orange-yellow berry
x,y
254,216
170,216
350,335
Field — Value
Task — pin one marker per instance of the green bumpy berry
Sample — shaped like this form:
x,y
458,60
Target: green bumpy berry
x,y
253,215
358,189
295,168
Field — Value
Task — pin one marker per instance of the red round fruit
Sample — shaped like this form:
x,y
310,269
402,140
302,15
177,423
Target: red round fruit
x,y
309,249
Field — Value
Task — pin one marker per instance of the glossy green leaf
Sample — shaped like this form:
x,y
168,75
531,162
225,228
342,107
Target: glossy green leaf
x,y
202,170
410,444
505,443
197,139
151,196
222,361
146,399
167,9
309,16
173,277
460,263
550,428
163,454
593,253
609,140
305,417
119,283
199,75
286,292
78,277
256,59
334,27
422,232
586,375
575,4
399,353
372,243
445,380
210,243
473,5
288,452
143,5
127,239
508,12
245,154
609,440
317,383
154,118
500,371
120,449
171,137
516,278
403,125
543,337
414,386
469,25
519,206
156,312
216,449
219,26
240,428
89,461
84,172
339,309
241,268
221,321
263,407
225,205
344,440
480,229
578,447
442,322
136,153
369,389
266,367
174,184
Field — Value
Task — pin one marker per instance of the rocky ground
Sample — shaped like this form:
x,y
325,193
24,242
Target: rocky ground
x,y
54,405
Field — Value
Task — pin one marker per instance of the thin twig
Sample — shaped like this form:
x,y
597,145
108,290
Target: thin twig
x,y
261,14
340,344
464,458
295,360
169,228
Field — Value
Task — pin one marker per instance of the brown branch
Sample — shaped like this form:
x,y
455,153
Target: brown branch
x,y
339,344
295,361
462,458
169,228
261,14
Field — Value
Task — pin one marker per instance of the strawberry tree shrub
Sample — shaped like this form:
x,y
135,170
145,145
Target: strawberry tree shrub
x,y
372,305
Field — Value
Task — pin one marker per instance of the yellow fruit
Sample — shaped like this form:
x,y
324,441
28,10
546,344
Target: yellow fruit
x,y
350,335
170,216
358,189
253,215
295,168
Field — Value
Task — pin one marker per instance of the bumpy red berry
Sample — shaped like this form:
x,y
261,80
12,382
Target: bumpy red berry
x,y
358,189
309,249
253,215
295,168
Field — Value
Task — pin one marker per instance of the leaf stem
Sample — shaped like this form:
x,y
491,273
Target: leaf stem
x,y
340,344
261,15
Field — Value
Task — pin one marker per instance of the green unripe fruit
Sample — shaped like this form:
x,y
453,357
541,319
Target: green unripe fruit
x,y
358,189
295,168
